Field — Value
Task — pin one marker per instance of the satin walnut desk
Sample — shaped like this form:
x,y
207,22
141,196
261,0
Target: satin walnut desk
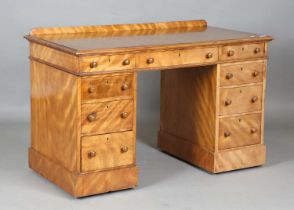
x,y
83,100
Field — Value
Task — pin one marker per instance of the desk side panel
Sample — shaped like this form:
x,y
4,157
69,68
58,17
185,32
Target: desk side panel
x,y
188,105
55,115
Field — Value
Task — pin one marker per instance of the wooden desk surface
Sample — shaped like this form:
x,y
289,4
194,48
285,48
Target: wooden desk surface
x,y
132,37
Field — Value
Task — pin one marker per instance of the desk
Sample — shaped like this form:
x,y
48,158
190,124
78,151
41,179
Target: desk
x,y
83,100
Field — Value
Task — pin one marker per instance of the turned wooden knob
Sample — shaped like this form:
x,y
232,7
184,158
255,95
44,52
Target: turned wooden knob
x,y
228,102
257,50
93,64
209,55
124,149
126,62
230,53
91,90
150,60
227,134
229,76
91,154
124,115
254,99
124,86
91,117
253,130
255,73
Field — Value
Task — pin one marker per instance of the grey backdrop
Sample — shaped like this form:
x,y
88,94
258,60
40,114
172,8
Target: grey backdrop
x,y
266,17
164,182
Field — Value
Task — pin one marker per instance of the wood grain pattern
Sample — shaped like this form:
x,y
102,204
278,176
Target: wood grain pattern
x,y
107,62
108,117
241,73
241,99
83,184
244,157
60,59
108,149
176,57
55,115
186,150
194,24
244,130
107,87
188,104
241,51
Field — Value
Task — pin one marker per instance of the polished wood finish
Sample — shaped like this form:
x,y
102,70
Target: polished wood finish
x,y
242,51
55,115
188,105
244,130
107,87
83,184
112,150
84,91
241,99
177,57
112,116
241,73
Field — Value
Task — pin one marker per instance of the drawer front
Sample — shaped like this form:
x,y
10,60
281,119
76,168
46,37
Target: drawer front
x,y
241,73
108,151
239,131
102,87
107,63
240,99
113,116
232,52
177,57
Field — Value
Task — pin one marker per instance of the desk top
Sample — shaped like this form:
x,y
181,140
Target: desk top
x,y
136,37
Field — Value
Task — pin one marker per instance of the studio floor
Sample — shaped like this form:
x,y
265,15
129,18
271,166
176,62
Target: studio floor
x,y
164,181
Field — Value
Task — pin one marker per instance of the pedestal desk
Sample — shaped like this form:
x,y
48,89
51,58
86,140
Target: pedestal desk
x,y
83,100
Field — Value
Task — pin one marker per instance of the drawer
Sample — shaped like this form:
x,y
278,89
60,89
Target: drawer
x,y
239,131
240,99
102,87
106,117
107,151
231,52
241,73
177,57
107,62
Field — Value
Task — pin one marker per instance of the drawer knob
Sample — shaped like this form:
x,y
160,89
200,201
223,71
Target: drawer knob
x,y
230,53
228,102
126,62
91,90
229,76
93,64
124,149
255,73
150,60
254,99
91,117
253,130
91,154
227,134
124,86
209,55
257,50
124,115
